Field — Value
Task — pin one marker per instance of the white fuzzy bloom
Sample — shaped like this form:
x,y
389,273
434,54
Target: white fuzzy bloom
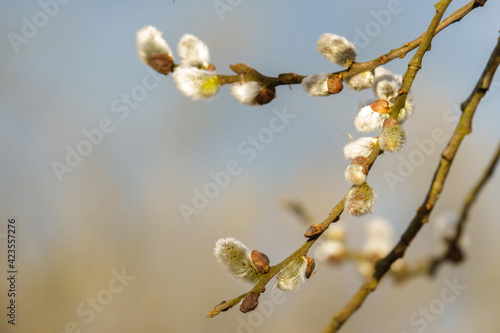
x,y
196,83
360,147
193,52
330,250
293,275
386,86
360,199
246,92
363,80
150,41
368,120
336,232
316,85
380,238
336,49
236,259
392,138
354,174
332,247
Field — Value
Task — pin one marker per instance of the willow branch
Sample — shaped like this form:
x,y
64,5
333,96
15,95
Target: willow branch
x,y
407,47
414,65
334,215
357,67
302,251
454,252
463,128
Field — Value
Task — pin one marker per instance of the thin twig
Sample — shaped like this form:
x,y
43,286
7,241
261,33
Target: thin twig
x,y
302,251
463,128
357,67
407,47
454,252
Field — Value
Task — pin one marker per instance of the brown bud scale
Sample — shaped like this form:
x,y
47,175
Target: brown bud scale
x,y
334,84
240,68
162,63
260,261
389,122
314,230
266,95
364,162
250,302
380,106
311,264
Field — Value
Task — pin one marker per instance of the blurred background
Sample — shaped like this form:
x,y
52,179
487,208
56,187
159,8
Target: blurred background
x,y
102,245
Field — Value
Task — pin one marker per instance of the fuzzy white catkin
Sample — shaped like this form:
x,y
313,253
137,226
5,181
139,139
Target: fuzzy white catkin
x,y
379,237
354,174
150,41
368,120
196,83
337,49
360,200
363,80
386,86
360,147
193,52
392,138
293,275
330,249
236,259
316,85
246,92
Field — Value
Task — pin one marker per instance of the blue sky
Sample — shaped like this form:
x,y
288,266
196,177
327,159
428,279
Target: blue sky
x,y
65,78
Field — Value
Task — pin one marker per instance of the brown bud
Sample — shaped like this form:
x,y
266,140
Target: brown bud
x,y
250,302
260,261
380,106
390,122
288,78
240,68
364,162
314,230
455,254
162,63
334,84
265,95
310,267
